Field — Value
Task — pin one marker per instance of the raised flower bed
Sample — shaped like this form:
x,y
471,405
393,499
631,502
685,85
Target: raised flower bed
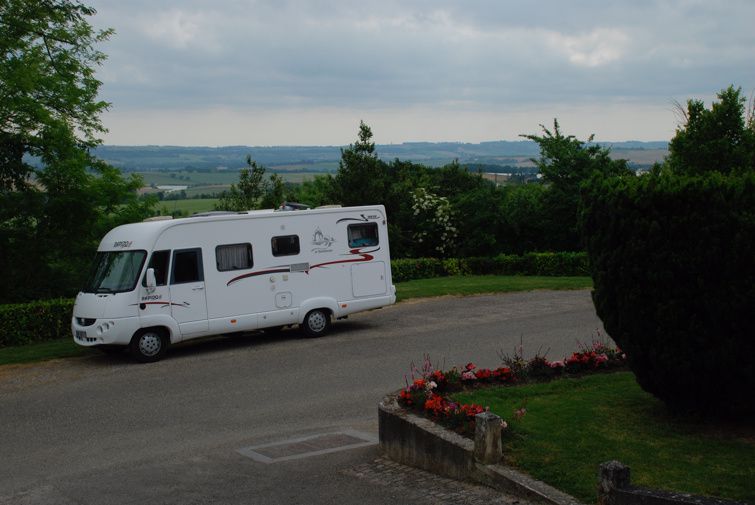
x,y
429,391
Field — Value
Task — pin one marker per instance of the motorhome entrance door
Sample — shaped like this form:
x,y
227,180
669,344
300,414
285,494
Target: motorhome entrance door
x,y
188,298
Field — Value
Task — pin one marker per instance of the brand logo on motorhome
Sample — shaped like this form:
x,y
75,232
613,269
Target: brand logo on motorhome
x,y
123,244
321,241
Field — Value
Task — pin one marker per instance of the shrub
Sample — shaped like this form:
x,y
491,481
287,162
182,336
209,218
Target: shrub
x,y
419,268
548,263
672,263
24,323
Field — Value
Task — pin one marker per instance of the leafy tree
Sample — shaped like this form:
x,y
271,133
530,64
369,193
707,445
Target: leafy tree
x,y
436,232
254,190
275,194
403,178
314,192
51,218
566,163
480,216
248,193
361,176
718,139
525,222
48,84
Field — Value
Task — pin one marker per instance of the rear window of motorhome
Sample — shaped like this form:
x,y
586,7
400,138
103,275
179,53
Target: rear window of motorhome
x,y
234,257
363,234
285,246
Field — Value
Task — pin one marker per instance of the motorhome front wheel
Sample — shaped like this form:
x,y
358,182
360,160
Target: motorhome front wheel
x,y
148,345
316,323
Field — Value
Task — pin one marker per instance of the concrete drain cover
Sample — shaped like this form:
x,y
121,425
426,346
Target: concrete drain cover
x,y
313,445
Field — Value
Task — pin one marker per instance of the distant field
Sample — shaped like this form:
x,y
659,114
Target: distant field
x,y
189,206
211,182
211,178
189,178
640,156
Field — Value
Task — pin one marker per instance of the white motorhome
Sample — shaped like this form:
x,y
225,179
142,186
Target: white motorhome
x,y
161,282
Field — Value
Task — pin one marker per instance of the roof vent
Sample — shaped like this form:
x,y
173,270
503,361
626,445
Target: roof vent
x,y
157,218
293,206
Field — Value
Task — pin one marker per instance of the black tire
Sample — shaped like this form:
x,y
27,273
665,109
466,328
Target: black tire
x,y
149,345
316,323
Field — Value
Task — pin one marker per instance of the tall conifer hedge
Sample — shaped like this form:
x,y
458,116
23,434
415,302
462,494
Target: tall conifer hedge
x,y
673,263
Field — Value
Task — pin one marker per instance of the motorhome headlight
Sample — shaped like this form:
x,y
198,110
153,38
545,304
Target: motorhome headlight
x,y
104,327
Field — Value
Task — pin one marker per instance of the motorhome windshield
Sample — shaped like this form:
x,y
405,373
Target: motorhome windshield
x,y
115,271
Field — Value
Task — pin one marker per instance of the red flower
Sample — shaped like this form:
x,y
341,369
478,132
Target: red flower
x,y
471,410
503,374
435,404
483,373
405,397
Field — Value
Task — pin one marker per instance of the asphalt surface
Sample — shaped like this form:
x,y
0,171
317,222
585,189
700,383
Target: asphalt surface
x,y
102,429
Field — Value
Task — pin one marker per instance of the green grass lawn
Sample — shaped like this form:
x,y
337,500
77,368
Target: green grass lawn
x,y
39,351
573,425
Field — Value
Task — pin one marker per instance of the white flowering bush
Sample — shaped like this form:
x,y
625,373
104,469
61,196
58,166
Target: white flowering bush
x,y
434,222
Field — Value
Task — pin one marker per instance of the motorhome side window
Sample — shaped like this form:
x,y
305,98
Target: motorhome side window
x,y
363,234
159,262
187,266
285,246
233,257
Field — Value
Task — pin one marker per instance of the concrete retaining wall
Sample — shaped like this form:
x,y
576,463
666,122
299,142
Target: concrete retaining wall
x,y
415,441
418,442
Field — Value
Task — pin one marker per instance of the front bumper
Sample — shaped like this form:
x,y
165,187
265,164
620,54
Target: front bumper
x,y
91,332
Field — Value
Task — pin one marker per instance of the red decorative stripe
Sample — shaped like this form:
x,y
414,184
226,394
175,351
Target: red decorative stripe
x,y
261,272
364,256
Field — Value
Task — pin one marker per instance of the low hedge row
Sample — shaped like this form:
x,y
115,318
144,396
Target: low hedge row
x,y
25,323
548,264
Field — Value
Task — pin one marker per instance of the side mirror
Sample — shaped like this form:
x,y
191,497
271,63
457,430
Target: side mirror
x,y
151,281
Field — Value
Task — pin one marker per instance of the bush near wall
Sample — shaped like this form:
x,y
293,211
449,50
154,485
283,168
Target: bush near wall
x,y
548,263
24,323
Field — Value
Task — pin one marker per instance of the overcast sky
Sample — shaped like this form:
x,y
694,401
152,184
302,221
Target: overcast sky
x,y
246,72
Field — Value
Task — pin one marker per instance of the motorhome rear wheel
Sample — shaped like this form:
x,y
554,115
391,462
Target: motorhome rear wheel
x,y
316,323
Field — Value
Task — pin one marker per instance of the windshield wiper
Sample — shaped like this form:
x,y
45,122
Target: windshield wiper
x,y
103,290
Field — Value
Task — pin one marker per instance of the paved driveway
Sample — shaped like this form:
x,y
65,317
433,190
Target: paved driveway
x,y
101,429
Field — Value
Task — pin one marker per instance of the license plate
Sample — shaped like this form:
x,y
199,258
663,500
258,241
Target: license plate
x,y
81,334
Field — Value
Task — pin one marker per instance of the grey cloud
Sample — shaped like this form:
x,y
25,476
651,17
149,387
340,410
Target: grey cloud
x,y
176,54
